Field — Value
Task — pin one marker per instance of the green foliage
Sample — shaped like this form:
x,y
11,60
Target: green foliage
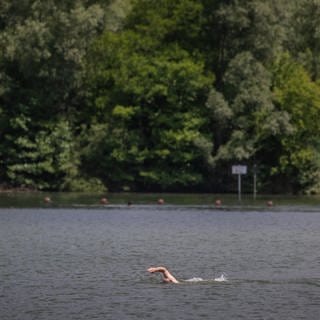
x,y
43,53
248,117
153,143
158,95
36,160
167,21
300,97
304,35
232,27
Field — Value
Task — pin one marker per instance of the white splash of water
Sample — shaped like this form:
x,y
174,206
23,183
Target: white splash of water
x,y
222,278
195,279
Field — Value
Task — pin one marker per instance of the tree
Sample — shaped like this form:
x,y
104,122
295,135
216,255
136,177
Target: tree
x,y
304,36
43,46
43,57
150,101
299,96
243,117
167,21
232,27
40,161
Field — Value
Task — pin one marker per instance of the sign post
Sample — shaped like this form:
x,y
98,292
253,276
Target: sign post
x,y
254,181
239,170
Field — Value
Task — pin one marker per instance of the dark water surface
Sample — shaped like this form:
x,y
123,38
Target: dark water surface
x,y
91,263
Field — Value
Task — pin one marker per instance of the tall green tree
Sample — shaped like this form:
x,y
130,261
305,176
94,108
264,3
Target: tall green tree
x,y
151,101
42,50
299,158
249,114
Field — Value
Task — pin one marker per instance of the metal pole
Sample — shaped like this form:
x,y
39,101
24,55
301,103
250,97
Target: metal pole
x,y
254,186
239,187
254,181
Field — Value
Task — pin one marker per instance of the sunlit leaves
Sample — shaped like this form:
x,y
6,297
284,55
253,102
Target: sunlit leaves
x,y
167,88
300,97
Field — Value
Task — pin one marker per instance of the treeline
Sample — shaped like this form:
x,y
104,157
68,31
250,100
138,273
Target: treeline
x,y
159,95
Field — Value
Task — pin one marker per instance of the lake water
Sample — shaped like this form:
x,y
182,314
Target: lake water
x,y
90,263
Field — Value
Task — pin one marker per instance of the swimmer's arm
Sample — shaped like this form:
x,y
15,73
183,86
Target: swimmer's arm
x,y
167,276
157,269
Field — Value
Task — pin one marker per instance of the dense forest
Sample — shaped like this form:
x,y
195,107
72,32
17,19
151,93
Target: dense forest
x,y
159,95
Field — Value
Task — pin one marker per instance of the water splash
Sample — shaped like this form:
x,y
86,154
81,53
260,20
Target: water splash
x,y
195,279
222,278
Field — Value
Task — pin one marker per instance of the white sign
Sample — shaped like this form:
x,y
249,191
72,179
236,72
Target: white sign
x,y
238,169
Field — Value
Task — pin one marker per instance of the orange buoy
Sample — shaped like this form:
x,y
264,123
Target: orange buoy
x,y
104,201
47,199
218,203
269,203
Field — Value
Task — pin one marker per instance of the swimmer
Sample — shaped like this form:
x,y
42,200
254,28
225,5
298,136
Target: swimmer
x,y
166,275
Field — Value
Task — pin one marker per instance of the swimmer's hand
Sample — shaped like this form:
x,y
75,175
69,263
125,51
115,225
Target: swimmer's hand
x,y
157,269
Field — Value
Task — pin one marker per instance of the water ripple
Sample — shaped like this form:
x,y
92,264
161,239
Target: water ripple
x,y
91,264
